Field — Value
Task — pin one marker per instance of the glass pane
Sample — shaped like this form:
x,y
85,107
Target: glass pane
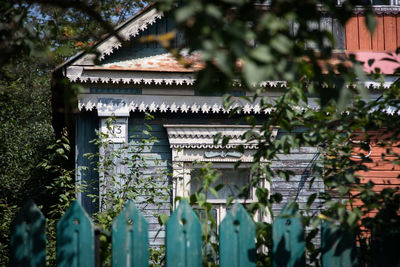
x,y
232,179
202,214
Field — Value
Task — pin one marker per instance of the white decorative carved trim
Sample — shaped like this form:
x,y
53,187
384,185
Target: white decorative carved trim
x,y
120,105
108,76
201,137
379,9
86,75
108,104
132,29
185,154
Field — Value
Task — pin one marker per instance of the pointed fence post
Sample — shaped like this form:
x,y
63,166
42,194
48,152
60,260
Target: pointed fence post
x,y
28,238
75,238
130,241
338,247
288,239
183,238
237,246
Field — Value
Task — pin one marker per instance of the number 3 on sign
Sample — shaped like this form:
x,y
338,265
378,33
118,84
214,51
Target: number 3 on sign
x,y
117,131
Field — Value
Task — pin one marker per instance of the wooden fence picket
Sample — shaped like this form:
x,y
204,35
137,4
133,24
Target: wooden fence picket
x,y
28,238
75,238
237,246
183,238
288,239
130,242
338,247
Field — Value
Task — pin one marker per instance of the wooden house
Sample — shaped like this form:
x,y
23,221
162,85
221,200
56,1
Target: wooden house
x,y
138,78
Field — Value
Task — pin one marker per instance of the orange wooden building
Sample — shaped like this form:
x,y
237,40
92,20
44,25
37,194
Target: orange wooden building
x,y
382,44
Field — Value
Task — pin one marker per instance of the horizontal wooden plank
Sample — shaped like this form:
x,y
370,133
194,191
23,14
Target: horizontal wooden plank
x,y
378,188
382,165
140,125
378,151
156,243
293,179
382,181
157,234
379,174
147,213
296,171
289,164
300,157
156,149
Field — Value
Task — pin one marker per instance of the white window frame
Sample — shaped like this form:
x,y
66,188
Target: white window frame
x,y
190,145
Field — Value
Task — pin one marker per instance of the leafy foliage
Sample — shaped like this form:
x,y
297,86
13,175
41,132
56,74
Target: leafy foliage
x,y
25,132
35,36
251,42
244,41
126,173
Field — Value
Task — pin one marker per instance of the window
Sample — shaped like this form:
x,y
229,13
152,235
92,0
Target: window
x,y
192,144
233,181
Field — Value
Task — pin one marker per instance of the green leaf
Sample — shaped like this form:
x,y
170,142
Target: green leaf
x,y
162,219
225,140
311,199
351,220
229,200
213,191
219,187
370,21
217,137
253,73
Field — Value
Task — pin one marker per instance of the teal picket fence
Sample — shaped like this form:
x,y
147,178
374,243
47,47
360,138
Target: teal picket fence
x,y
130,246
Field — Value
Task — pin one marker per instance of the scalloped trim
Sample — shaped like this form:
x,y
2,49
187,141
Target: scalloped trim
x,y
131,30
122,105
210,146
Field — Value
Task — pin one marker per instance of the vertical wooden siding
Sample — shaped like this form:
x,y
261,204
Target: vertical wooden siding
x,y
329,24
138,50
386,36
86,124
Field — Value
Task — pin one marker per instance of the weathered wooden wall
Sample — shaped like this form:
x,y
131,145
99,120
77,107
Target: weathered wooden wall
x,y
158,158
298,187
141,49
329,24
383,170
299,161
386,36
86,124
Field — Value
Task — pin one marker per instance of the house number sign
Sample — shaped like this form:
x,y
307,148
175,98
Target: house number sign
x,y
116,130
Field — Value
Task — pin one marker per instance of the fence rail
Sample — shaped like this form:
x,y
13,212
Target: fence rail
x,y
130,246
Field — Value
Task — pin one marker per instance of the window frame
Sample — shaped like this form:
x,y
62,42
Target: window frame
x,y
190,145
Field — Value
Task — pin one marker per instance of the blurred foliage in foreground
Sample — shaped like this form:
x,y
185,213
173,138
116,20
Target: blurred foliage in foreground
x,y
246,43
35,36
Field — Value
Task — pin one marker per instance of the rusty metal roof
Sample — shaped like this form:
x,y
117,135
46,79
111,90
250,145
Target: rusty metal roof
x,y
159,63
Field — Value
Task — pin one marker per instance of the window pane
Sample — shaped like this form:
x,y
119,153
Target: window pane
x,y
202,214
232,179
